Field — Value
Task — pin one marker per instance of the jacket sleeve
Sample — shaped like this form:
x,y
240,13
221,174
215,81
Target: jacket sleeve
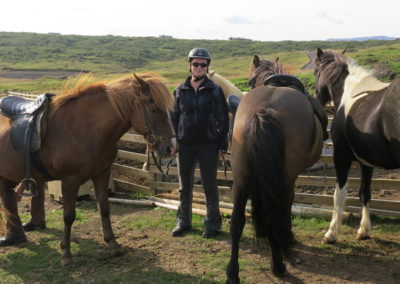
x,y
222,120
175,112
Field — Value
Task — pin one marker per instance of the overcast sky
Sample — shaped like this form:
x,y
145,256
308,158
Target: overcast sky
x,y
265,20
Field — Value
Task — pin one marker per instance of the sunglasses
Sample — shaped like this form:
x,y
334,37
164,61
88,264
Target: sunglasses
x,y
197,64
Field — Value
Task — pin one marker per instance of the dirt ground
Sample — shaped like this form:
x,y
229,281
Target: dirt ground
x,y
376,260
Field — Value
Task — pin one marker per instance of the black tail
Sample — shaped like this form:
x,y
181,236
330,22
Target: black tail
x,y
269,198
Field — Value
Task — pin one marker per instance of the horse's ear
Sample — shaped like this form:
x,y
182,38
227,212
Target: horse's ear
x,y
144,87
211,73
319,52
344,50
277,59
256,61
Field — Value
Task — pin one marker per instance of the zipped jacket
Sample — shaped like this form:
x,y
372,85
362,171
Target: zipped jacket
x,y
200,117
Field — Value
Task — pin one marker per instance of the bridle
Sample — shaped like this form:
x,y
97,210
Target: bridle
x,y
153,140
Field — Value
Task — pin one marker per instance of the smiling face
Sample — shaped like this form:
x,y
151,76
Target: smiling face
x,y
198,67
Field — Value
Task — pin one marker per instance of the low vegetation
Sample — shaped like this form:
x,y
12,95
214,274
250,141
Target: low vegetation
x,y
113,56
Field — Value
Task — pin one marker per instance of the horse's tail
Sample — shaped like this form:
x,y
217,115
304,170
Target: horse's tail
x,y
271,202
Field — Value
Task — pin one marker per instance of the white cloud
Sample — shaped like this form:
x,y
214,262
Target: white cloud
x,y
258,20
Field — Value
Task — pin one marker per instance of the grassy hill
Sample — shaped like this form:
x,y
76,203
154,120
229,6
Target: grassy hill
x,y
112,56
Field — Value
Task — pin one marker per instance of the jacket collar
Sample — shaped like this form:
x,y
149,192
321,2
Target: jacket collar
x,y
207,83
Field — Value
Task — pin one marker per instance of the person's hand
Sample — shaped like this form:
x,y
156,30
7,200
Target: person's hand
x,y
221,154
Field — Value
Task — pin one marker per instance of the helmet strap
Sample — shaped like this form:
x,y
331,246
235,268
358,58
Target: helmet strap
x,y
198,78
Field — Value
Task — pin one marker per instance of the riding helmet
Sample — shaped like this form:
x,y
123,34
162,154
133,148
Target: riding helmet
x,y
199,52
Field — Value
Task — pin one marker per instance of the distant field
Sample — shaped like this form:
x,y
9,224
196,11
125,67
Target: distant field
x,y
40,63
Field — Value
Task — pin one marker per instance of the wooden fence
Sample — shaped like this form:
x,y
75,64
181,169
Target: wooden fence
x,y
155,186
126,178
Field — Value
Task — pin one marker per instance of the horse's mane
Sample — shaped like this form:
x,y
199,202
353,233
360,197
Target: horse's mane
x,y
119,89
264,69
227,86
267,66
124,93
334,64
359,79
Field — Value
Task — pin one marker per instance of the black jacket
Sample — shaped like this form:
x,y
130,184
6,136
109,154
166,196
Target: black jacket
x,y
200,117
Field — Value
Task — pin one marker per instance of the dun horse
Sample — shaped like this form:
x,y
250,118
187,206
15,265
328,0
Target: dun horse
x,y
276,136
81,143
365,128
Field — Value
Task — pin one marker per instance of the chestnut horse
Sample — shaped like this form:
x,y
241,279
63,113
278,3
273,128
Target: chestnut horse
x,y
365,128
83,129
276,136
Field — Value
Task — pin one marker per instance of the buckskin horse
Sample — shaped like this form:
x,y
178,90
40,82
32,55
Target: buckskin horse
x,y
276,136
83,129
365,128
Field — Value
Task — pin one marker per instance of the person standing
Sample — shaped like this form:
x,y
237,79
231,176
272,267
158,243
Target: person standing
x,y
200,119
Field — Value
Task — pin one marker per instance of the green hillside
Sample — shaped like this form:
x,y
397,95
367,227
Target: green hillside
x,y
112,56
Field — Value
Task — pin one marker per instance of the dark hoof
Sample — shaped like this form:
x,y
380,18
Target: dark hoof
x,y
233,281
180,230
7,241
279,270
209,234
28,227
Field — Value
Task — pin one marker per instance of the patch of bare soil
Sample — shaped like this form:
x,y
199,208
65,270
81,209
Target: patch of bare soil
x,y
376,260
37,73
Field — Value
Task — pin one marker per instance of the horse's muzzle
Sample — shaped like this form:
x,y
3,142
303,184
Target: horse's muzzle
x,y
165,147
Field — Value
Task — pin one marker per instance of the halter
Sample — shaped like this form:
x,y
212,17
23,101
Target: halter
x,y
153,141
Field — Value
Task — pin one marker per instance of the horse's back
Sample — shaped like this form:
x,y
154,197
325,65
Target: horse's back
x,y
291,108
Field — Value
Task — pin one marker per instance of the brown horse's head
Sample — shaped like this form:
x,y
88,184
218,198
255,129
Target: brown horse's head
x,y
260,70
331,70
145,101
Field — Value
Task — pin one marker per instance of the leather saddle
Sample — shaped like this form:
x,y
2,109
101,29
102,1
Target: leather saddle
x,y
285,80
29,122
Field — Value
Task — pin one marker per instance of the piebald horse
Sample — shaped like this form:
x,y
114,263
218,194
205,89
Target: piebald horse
x,y
365,128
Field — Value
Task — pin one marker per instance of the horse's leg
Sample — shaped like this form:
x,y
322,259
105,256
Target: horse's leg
x,y
365,197
70,188
238,221
14,231
100,183
342,163
38,220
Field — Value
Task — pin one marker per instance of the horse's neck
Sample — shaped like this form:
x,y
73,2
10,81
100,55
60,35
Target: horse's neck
x,y
228,87
97,117
357,85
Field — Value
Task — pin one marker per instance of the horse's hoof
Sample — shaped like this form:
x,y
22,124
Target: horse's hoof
x,y
115,252
278,270
235,280
8,241
28,227
362,237
329,241
67,261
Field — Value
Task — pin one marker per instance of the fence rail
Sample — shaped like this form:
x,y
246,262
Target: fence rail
x,y
155,185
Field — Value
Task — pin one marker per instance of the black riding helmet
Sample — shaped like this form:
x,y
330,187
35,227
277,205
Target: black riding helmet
x,y
199,52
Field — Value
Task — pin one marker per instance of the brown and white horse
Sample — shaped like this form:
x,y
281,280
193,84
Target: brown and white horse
x,y
365,128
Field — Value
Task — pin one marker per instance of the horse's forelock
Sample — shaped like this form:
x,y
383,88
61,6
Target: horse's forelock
x,y
160,93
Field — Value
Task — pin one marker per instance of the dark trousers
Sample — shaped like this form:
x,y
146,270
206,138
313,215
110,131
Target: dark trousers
x,y
207,156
